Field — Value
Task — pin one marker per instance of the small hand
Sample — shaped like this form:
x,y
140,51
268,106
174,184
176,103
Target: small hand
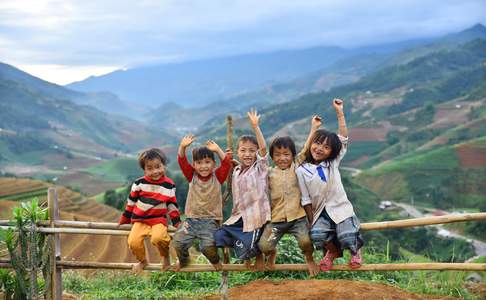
x,y
187,140
338,104
254,118
212,145
229,153
316,122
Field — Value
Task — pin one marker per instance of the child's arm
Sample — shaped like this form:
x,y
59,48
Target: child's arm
x,y
185,166
305,200
185,142
315,124
339,107
254,120
225,167
126,217
216,149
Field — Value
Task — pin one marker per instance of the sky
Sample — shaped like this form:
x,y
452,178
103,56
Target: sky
x,y
69,40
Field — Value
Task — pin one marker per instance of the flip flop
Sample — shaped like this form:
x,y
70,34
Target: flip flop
x,y
327,262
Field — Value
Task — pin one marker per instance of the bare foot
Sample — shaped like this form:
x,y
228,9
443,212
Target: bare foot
x,y
165,263
138,268
271,260
260,263
312,267
177,267
218,266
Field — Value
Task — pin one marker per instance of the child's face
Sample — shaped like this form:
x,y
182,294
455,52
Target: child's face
x,y
320,150
204,167
154,169
247,153
282,157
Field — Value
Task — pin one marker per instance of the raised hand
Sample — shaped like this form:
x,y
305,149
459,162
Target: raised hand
x,y
316,122
338,104
212,146
254,118
187,140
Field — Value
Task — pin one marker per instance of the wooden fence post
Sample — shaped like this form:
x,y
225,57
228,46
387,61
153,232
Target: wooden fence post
x,y
224,277
55,255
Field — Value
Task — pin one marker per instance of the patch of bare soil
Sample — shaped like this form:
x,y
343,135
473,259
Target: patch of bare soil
x,y
320,289
472,156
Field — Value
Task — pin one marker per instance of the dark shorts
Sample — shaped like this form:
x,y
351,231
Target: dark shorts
x,y
273,232
245,244
196,229
345,235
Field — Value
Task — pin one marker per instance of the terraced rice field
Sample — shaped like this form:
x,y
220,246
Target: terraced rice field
x,y
73,206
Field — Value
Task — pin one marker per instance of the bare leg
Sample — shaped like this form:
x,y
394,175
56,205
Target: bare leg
x,y
165,263
138,268
177,266
260,263
271,260
311,265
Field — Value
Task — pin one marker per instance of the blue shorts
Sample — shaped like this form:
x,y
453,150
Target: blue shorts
x,y
245,244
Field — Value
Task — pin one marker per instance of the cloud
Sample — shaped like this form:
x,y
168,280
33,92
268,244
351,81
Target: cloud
x,y
109,33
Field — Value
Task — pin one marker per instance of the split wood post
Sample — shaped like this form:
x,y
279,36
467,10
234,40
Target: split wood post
x,y
55,256
224,279
226,260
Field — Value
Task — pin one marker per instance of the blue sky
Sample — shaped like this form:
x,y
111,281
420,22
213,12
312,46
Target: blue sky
x,y
65,41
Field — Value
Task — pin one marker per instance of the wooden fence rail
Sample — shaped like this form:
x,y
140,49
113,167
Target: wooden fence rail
x,y
55,227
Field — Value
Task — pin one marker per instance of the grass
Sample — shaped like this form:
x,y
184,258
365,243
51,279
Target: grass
x,y
117,170
169,285
26,196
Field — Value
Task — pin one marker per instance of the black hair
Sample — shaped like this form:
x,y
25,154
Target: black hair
x,y
201,153
283,142
150,154
247,138
331,139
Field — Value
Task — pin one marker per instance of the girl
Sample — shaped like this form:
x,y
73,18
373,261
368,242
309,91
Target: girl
x,y
334,225
251,207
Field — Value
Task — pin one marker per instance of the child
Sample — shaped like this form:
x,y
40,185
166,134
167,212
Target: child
x,y
152,197
204,204
251,207
288,216
334,225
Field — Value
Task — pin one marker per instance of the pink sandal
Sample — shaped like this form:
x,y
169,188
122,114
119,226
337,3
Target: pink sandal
x,y
327,262
355,261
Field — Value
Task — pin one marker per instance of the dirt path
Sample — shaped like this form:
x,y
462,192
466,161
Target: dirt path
x,y
320,289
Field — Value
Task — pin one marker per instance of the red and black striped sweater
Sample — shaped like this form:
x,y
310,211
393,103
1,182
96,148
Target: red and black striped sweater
x,y
151,201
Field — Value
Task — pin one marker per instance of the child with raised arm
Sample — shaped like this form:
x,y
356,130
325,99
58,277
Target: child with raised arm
x,y
335,226
204,204
251,207
151,199
288,215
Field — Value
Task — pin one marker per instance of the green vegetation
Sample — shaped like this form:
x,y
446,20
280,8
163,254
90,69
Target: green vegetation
x,y
169,285
29,254
118,170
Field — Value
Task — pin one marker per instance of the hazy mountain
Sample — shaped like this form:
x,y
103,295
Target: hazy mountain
x,y
37,119
104,101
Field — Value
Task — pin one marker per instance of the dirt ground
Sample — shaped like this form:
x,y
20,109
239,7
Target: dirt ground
x,y
320,289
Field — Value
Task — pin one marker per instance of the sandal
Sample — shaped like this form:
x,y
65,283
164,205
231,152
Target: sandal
x,y
327,262
355,261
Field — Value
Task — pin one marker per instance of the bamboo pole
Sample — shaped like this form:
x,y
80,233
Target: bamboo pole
x,y
80,227
288,267
424,221
55,256
279,267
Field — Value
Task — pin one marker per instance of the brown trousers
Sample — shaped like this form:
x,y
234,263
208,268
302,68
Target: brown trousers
x,y
159,237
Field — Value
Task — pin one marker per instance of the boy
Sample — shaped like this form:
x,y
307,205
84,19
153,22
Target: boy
x,y
152,197
204,204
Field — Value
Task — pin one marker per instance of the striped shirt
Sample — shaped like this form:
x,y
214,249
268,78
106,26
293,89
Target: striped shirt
x,y
150,202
